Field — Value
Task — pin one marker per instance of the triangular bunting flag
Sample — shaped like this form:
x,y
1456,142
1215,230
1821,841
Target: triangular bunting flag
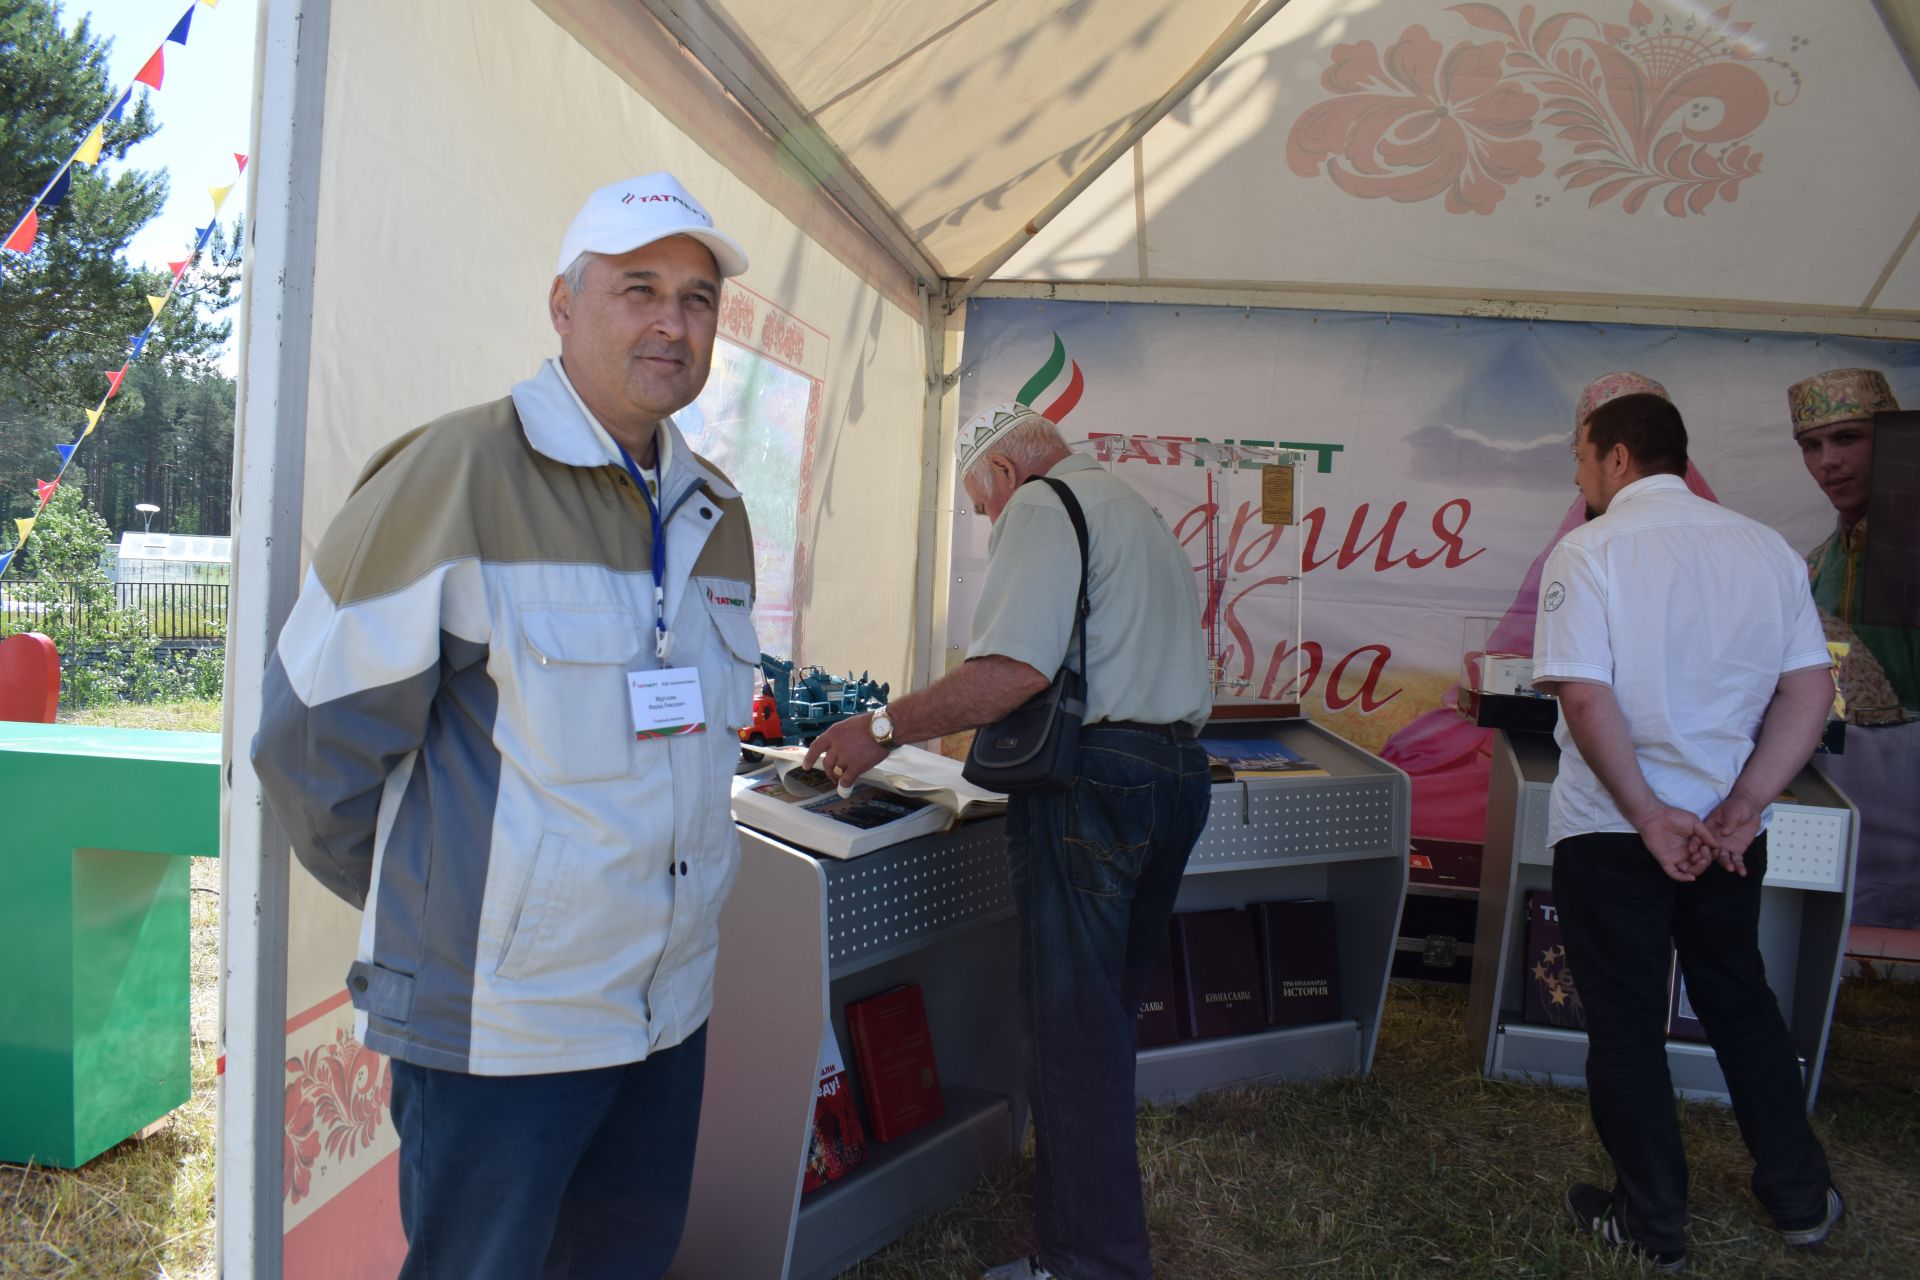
x,y
156,69
58,191
6,558
180,266
179,33
219,195
206,232
25,525
139,345
93,420
156,302
65,451
22,238
211,4
113,381
89,152
120,107
241,161
45,489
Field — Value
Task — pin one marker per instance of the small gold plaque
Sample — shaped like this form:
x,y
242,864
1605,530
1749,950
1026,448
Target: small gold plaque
x,y
1276,494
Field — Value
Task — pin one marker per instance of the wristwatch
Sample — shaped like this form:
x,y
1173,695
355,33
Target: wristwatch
x,y
881,727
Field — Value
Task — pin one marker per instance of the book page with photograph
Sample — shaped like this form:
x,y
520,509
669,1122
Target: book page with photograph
x,y
1235,759
803,806
911,771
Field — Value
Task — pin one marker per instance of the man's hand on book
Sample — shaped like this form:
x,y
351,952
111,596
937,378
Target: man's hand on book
x,y
846,750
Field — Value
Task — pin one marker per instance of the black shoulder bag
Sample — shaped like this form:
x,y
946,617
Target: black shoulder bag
x,y
1032,748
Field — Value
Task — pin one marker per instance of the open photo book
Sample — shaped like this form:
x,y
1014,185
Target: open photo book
x,y
910,793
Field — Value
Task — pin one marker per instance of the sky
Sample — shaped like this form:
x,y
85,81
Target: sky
x,y
204,106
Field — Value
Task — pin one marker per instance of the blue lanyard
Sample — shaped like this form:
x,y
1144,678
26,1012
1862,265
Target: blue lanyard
x,y
659,556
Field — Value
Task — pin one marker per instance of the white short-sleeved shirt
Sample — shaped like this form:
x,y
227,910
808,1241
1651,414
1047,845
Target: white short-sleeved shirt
x,y
1146,654
1691,613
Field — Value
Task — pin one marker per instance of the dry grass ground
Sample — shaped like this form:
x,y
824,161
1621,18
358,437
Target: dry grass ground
x,y
1428,1169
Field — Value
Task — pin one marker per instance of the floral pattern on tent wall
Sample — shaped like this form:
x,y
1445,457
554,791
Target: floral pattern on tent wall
x,y
1649,114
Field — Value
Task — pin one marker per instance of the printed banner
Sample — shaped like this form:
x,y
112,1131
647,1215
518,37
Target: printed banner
x,y
1437,472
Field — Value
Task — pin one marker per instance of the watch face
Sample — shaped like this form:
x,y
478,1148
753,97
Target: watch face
x,y
882,724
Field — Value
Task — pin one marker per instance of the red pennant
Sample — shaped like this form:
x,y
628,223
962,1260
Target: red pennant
x,y
113,381
155,70
22,239
45,489
243,161
180,266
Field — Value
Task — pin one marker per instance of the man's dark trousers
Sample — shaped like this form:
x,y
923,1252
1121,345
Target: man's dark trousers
x,y
1618,909
576,1174
1095,872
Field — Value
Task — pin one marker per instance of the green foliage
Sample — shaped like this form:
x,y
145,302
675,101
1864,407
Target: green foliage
x,y
108,653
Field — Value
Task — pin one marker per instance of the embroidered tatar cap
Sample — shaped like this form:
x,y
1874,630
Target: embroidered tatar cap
x,y
1838,395
988,426
1611,386
654,206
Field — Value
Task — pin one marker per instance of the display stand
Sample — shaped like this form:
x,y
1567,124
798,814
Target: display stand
x,y
1803,925
801,937
1343,838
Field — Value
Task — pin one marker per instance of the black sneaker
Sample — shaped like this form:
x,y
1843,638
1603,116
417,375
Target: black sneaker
x,y
1592,1211
1817,1232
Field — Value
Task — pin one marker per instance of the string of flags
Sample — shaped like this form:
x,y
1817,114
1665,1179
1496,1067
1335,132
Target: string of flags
x,y
151,74
157,303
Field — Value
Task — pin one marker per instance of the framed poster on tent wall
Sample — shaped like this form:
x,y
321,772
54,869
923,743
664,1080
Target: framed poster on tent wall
x,y
1442,474
757,420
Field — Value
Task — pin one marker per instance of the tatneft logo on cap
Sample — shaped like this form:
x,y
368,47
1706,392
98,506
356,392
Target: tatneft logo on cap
x,y
652,197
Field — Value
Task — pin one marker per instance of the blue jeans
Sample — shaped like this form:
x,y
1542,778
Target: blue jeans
x,y
1095,872
572,1174
1617,911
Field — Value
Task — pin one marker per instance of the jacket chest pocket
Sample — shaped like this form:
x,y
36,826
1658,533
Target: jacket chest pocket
x,y
573,675
734,674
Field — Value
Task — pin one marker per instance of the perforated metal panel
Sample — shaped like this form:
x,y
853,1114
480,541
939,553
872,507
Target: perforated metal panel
x,y
895,900
1266,822
1807,847
1536,799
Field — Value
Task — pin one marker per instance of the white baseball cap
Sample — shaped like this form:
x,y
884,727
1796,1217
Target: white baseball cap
x,y
623,217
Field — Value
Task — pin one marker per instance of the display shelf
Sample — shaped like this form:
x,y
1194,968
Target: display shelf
x,y
1803,925
1342,838
801,938
901,1182
1176,1072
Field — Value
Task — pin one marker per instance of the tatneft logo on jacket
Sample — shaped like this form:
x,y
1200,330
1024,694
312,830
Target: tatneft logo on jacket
x,y
627,215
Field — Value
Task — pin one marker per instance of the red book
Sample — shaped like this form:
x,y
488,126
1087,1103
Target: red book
x,y
838,1142
893,1052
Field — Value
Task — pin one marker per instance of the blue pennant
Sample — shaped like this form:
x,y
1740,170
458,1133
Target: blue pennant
x,y
139,343
6,557
179,33
120,106
58,191
206,232
65,451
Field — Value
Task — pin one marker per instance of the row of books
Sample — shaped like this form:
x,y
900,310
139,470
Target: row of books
x,y
893,1058
1553,998
1239,971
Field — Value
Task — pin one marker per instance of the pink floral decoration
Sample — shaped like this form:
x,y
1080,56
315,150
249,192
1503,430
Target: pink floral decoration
x,y
1420,124
1642,109
336,1100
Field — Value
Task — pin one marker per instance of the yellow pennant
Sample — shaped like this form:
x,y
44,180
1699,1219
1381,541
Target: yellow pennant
x,y
25,526
89,152
219,195
156,303
211,4
93,420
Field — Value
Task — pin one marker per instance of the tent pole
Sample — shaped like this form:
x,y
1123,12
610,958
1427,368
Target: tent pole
x,y
270,438
1209,62
936,481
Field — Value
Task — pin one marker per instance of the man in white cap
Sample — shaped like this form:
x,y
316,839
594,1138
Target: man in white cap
x,y
499,720
1096,867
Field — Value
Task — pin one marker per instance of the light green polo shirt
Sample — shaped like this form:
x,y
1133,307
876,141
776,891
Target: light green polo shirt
x,y
1146,654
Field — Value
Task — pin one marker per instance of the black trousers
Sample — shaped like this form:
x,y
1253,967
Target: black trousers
x,y
1618,911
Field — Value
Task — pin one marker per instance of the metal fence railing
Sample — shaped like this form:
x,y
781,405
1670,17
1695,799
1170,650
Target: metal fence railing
x,y
172,610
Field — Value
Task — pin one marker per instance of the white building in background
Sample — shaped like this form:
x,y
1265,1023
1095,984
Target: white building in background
x,y
170,557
